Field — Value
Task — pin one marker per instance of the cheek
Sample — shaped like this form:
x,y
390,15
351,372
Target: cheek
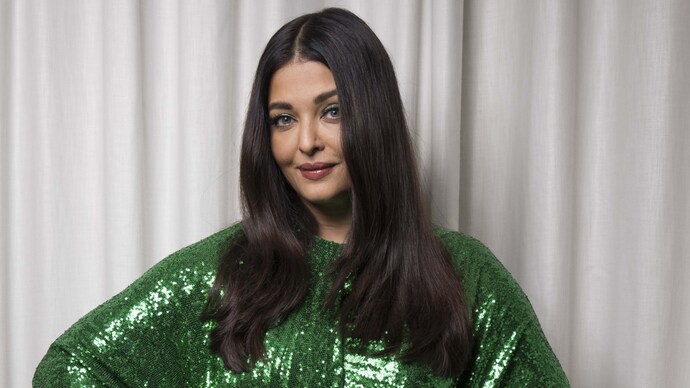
x,y
280,150
334,141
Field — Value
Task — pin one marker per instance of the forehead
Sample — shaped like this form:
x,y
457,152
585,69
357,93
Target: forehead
x,y
300,81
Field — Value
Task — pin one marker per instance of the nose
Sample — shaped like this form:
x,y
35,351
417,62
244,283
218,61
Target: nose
x,y
309,139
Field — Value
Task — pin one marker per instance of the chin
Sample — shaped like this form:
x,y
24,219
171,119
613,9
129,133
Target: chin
x,y
324,199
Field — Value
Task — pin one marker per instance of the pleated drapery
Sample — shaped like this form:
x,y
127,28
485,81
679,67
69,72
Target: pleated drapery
x,y
554,131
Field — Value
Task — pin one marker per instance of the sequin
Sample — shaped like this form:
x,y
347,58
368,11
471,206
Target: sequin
x,y
150,335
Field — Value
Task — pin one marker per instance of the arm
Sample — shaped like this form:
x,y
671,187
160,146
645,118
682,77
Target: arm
x,y
149,334
63,368
510,349
126,340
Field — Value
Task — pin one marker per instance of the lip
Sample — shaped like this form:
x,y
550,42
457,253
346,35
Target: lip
x,y
315,171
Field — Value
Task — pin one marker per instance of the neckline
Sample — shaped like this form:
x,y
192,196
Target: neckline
x,y
327,243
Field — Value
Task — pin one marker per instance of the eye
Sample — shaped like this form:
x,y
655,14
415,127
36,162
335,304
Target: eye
x,y
282,120
331,112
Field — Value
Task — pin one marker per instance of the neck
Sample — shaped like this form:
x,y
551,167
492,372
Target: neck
x,y
334,221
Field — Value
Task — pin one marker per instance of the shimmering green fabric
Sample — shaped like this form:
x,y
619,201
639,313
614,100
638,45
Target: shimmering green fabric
x,y
151,335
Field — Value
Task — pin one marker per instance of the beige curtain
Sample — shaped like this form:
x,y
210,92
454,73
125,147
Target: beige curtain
x,y
555,131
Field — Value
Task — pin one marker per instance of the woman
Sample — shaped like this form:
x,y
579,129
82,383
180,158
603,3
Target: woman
x,y
335,277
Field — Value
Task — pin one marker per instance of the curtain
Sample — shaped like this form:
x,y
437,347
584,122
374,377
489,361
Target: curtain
x,y
554,131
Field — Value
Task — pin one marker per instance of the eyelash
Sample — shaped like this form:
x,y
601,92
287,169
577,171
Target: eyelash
x,y
331,108
275,120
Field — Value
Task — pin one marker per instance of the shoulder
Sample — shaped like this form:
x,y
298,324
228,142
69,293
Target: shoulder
x,y
203,254
464,249
195,263
484,278
190,268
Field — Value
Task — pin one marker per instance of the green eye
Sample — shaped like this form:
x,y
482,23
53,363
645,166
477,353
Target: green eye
x,y
282,120
332,112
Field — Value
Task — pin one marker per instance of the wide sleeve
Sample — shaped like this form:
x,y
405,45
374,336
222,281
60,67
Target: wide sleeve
x,y
509,349
148,335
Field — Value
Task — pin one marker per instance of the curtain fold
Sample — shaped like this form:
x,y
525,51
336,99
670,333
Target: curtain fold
x,y
554,131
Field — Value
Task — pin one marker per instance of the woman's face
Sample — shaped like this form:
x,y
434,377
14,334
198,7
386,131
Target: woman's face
x,y
305,134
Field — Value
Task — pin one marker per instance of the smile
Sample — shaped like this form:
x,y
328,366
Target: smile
x,y
315,171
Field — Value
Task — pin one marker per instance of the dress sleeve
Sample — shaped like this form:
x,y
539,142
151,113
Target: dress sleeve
x,y
510,349
147,335
61,367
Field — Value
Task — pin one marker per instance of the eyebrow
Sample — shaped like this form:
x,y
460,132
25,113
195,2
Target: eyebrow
x,y
324,96
317,100
280,105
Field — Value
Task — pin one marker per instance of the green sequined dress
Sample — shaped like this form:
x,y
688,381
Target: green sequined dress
x,y
150,334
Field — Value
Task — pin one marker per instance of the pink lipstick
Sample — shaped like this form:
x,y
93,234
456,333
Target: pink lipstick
x,y
315,171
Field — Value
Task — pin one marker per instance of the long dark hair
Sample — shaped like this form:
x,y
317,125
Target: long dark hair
x,y
404,290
